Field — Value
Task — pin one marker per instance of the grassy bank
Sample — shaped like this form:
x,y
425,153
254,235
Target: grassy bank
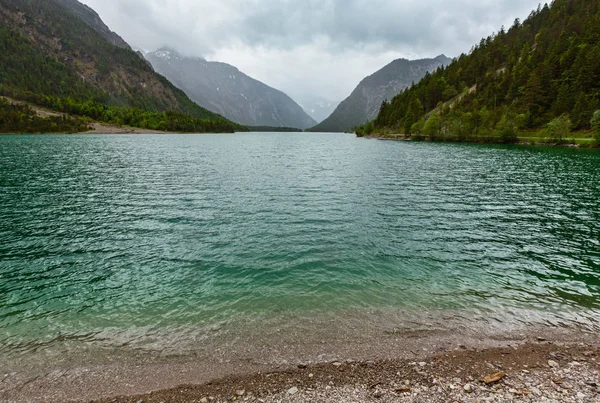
x,y
577,139
581,138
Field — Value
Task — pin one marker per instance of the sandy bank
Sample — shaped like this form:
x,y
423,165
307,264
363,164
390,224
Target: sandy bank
x,y
101,128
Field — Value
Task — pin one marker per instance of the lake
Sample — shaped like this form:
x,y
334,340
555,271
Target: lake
x,y
173,243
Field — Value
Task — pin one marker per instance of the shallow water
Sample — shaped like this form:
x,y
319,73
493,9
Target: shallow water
x,y
163,241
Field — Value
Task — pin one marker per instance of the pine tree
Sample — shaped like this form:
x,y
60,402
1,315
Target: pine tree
x,y
595,123
539,69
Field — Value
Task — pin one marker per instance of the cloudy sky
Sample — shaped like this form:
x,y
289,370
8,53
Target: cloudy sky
x,y
309,48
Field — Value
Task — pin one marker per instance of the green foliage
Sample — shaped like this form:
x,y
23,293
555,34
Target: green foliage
x,y
417,128
558,129
15,118
365,130
432,127
24,68
414,113
52,58
127,116
507,129
525,77
595,123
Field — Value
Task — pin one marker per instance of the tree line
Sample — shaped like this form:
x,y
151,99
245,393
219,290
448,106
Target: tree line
x,y
170,121
542,73
18,118
47,74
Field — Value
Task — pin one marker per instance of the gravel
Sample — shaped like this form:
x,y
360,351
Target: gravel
x,y
573,383
531,373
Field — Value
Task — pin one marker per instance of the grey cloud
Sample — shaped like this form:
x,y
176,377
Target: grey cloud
x,y
419,25
308,46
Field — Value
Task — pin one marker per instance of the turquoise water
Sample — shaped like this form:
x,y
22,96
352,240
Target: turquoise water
x,y
134,237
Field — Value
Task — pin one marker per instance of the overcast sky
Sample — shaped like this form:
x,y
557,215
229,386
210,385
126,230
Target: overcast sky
x,y
309,48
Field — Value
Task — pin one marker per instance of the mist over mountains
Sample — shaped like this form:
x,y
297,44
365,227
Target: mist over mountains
x,y
317,106
224,89
123,77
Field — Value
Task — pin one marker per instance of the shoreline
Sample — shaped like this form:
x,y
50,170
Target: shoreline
x,y
535,370
520,142
97,127
367,367
168,299
103,128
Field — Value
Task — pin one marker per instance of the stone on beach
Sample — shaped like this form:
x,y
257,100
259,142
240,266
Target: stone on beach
x,y
494,378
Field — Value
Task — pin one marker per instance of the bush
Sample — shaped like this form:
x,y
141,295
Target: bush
x,y
558,129
365,130
596,126
432,127
417,128
506,129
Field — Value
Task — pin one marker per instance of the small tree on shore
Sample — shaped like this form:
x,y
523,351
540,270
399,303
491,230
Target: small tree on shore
x,y
360,131
417,128
365,130
596,126
558,129
506,129
432,126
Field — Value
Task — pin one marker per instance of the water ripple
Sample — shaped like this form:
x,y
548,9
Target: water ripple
x,y
132,240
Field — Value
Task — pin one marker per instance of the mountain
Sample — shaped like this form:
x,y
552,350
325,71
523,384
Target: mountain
x,y
540,74
364,102
59,54
222,88
92,19
318,107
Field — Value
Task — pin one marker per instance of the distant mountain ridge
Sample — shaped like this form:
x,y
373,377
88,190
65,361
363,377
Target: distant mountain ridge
x,y
224,89
365,101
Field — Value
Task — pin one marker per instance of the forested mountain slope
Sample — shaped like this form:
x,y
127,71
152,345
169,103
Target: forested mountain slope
x,y
542,73
53,57
92,19
364,102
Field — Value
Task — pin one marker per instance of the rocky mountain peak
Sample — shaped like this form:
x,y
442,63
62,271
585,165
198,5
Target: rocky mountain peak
x,y
222,88
365,101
